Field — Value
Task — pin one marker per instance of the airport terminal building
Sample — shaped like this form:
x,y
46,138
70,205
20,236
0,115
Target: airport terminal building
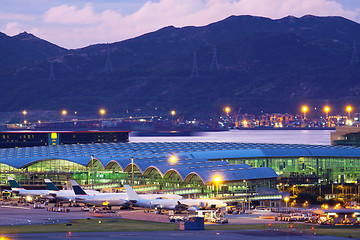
x,y
244,169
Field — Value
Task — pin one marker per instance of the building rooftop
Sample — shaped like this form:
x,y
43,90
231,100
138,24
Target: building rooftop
x,y
193,157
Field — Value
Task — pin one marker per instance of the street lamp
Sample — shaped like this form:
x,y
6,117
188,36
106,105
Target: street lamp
x,y
92,171
217,180
286,199
64,112
172,115
132,172
304,109
349,109
24,113
327,110
102,112
173,160
294,189
246,192
227,110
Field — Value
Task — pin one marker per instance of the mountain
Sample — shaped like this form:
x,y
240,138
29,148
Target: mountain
x,y
263,65
24,49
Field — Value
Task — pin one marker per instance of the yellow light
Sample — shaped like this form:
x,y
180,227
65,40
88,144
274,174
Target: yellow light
x,y
105,203
39,121
4,238
102,111
64,112
217,179
54,135
29,198
25,122
286,199
326,109
304,109
173,112
24,112
173,159
227,109
348,108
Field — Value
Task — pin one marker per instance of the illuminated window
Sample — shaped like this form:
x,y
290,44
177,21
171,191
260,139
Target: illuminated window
x,y
54,135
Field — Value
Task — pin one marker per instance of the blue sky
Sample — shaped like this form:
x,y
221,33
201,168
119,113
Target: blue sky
x,y
78,23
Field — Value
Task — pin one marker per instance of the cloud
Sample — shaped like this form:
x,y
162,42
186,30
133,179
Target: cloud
x,y
66,14
16,16
13,28
71,26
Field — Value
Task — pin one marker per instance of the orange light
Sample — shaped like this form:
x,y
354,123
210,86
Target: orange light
x,y
227,109
102,111
326,109
304,109
348,108
24,112
173,159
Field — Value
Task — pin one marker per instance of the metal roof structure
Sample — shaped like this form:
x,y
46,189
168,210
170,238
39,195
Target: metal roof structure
x,y
193,157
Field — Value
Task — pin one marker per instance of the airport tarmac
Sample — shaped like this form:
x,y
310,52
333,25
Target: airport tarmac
x,y
177,235
27,215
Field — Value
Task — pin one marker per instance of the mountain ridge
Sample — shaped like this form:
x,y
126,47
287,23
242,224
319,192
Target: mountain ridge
x,y
264,65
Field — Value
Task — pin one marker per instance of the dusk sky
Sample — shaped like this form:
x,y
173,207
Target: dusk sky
x,y
79,23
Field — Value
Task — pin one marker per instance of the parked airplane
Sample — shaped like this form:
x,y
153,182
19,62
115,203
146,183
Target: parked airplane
x,y
101,199
172,204
64,195
112,199
17,189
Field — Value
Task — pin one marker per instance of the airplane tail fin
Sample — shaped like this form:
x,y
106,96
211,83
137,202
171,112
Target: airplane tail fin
x,y
77,188
13,183
50,185
132,195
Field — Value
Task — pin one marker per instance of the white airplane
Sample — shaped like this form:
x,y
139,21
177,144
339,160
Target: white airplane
x,y
172,204
100,199
64,195
29,194
111,199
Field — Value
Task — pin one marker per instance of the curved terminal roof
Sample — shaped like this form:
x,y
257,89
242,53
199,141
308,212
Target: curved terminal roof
x,y
193,157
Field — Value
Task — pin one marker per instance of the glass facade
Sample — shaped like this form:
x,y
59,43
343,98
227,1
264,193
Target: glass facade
x,y
59,171
308,169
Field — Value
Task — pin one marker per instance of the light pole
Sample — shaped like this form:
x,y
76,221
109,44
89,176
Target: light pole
x,y
246,193
227,110
172,116
305,109
286,199
102,112
132,172
63,112
327,110
173,161
349,109
92,171
24,113
217,180
294,189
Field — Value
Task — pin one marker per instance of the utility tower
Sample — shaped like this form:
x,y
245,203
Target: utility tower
x,y
52,75
108,65
354,57
214,63
194,71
